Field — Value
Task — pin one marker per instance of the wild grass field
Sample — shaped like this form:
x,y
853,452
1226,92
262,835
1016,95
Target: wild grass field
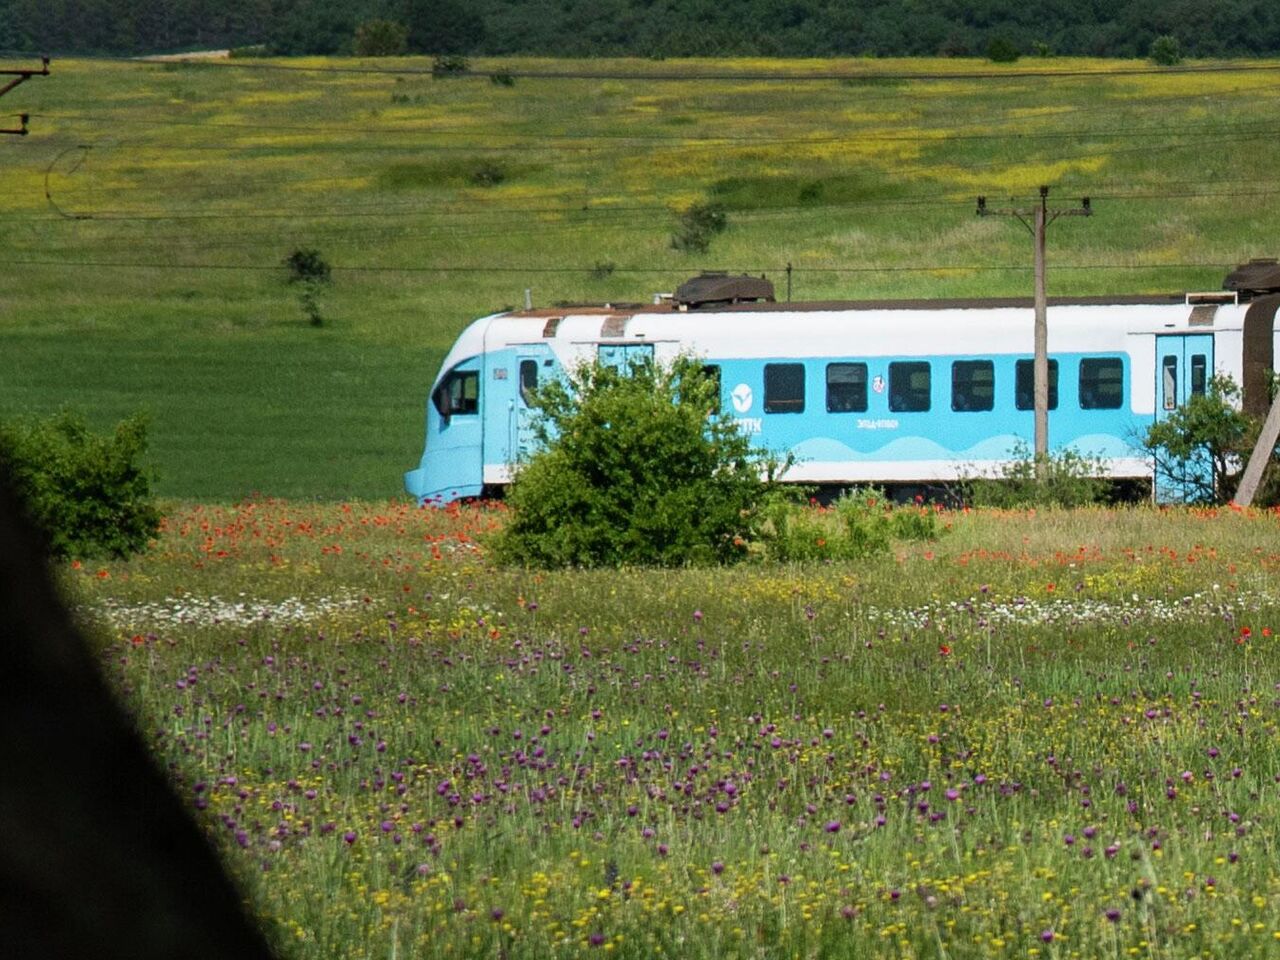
x,y
148,214
1044,734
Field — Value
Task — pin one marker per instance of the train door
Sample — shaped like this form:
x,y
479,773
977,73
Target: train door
x,y
534,364
454,449
1184,364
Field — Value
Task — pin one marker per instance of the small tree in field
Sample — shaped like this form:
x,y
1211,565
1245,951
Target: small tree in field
x,y
1200,445
1166,51
636,467
696,227
309,272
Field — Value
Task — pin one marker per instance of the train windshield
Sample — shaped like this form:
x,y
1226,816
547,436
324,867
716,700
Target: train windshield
x,y
458,394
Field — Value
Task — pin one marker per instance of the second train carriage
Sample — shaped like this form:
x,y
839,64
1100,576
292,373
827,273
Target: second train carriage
x,y
889,393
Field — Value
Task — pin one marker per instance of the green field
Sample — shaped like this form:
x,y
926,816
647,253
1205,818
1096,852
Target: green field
x,y
147,215
1047,734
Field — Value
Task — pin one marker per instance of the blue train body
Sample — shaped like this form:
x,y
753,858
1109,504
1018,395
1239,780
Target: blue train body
x,y
890,393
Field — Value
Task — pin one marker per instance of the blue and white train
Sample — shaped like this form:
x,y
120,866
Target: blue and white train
x,y
893,393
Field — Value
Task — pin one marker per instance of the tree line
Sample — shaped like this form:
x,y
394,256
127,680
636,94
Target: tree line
x,y
649,28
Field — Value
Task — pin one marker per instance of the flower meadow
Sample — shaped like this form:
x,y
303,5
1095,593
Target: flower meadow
x,y
1050,734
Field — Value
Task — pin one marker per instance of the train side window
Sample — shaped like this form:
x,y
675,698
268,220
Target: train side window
x,y
1025,384
1199,374
1169,382
458,394
973,385
909,386
1101,383
784,388
528,381
846,387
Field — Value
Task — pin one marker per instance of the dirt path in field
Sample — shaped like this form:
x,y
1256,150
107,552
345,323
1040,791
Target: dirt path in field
x,y
193,55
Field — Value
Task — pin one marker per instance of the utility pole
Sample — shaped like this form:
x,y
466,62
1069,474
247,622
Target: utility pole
x,y
1041,216
21,76
1261,454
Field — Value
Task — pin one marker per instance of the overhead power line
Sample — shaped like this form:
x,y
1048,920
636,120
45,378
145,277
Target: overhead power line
x,y
675,270
581,216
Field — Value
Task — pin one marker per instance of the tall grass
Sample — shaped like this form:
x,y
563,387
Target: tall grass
x,y
1041,735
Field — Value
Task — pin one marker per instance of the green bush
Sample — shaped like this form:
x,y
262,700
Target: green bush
x,y
1166,51
86,491
1072,479
696,227
861,523
450,65
635,467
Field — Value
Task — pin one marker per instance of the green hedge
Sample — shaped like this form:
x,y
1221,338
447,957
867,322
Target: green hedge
x,y
86,491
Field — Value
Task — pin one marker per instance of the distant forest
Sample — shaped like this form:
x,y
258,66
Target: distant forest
x,y
648,28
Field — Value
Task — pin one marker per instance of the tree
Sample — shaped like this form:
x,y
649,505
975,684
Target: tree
x,y
697,225
1002,50
1198,447
381,38
1166,50
636,467
443,27
309,272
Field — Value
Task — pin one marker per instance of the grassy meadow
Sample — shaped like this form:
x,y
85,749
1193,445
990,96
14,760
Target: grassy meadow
x,y
1040,735
148,213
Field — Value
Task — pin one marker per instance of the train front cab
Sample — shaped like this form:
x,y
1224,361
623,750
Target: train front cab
x,y
452,465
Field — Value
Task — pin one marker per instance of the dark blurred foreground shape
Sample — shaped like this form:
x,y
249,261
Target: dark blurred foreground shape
x,y
98,857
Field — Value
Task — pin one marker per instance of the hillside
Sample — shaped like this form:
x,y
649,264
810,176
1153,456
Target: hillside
x,y
150,211
666,28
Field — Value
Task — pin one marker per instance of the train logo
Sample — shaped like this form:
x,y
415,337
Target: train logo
x,y
741,398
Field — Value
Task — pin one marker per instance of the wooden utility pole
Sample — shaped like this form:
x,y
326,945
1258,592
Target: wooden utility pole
x,y
21,76
1041,216
1260,456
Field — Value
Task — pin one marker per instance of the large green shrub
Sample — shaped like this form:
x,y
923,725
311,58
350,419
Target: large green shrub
x,y
636,467
1201,445
86,491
